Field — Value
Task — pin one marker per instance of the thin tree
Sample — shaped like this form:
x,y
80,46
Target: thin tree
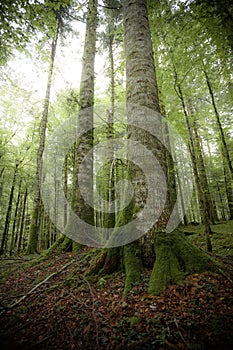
x,y
34,226
3,247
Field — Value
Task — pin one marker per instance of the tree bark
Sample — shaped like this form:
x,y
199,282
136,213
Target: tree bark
x,y
34,226
22,222
8,214
15,219
200,190
85,119
227,164
142,92
141,89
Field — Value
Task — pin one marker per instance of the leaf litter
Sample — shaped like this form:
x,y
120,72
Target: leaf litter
x,y
71,311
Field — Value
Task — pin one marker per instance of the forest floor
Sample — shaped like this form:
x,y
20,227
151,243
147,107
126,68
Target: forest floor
x,y
51,304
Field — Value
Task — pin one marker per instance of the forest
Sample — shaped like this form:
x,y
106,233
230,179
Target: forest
x,y
116,174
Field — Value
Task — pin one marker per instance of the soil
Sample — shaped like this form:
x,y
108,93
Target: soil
x,y
71,311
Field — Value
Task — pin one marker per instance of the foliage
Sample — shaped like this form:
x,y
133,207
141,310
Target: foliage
x,y
21,19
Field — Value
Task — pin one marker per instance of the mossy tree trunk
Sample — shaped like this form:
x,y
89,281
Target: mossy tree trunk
x,y
174,254
141,89
176,257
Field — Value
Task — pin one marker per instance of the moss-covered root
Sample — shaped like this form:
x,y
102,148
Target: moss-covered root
x,y
166,269
192,259
96,264
66,245
55,245
112,261
176,255
133,265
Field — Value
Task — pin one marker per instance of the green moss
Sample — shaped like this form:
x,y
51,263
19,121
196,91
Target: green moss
x,y
66,245
76,247
192,258
33,239
101,283
134,320
133,265
166,268
55,245
97,262
221,238
175,257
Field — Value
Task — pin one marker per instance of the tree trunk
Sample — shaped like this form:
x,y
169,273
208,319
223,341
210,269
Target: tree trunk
x,y
200,190
142,91
34,226
21,232
85,119
15,219
203,176
8,214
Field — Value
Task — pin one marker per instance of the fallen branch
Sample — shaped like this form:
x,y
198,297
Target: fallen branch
x,y
9,307
180,334
22,259
93,311
225,275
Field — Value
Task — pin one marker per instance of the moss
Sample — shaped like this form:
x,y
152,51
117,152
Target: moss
x,y
221,238
166,268
133,265
112,261
55,245
66,245
175,257
192,258
134,320
101,283
96,264
33,239
76,247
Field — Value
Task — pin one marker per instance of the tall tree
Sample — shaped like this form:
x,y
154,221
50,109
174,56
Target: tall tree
x,y
85,121
34,226
171,248
9,210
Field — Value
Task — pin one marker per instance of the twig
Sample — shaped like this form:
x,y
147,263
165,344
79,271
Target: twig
x,y
9,307
180,334
224,274
93,311
76,299
22,259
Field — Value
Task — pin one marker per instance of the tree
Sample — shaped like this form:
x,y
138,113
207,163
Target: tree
x,y
173,252
9,210
34,226
85,118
